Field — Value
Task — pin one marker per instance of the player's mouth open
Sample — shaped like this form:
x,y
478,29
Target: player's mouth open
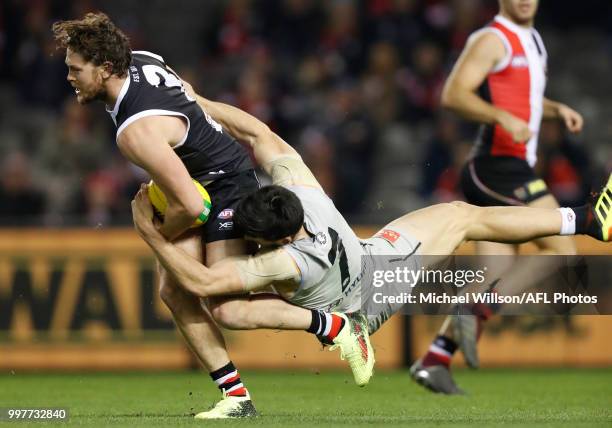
x,y
77,91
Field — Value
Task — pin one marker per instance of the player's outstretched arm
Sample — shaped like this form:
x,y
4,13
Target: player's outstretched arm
x,y
229,276
272,153
267,145
190,273
479,57
146,143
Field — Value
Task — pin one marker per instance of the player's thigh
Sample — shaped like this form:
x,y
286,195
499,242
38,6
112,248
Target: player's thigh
x,y
564,245
224,307
440,228
219,250
191,243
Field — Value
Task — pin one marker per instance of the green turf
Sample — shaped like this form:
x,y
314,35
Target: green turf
x,y
552,398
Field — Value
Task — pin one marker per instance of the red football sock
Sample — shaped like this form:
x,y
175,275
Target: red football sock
x,y
440,352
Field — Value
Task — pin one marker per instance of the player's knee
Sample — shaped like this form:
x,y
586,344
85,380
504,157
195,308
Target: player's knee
x,y
230,315
171,296
461,214
462,208
560,245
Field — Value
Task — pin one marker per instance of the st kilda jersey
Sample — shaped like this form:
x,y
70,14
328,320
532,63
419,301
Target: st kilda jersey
x,y
516,84
151,89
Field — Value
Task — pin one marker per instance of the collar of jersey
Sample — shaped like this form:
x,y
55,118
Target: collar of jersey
x,y
122,93
511,25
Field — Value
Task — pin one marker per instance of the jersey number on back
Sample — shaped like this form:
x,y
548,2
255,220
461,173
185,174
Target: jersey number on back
x,y
337,250
157,76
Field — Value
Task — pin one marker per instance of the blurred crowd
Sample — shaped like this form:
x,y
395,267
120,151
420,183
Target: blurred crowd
x,y
353,85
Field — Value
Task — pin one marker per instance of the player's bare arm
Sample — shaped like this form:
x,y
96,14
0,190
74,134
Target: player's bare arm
x,y
571,118
266,145
275,156
230,276
147,142
271,152
478,58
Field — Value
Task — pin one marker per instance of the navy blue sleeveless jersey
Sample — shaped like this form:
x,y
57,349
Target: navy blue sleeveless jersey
x,y
151,89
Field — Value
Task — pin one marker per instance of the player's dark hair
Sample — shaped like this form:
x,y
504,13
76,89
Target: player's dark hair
x,y
270,213
97,40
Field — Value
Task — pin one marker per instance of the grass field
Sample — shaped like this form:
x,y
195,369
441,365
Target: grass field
x,y
551,398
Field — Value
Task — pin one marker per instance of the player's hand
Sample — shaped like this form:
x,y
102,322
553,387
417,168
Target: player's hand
x,y
142,213
572,119
517,128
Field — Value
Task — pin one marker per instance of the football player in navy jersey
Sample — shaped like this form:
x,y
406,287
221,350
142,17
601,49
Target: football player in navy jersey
x,y
163,130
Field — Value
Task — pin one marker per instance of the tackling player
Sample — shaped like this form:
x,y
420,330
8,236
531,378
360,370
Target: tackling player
x,y
309,253
499,81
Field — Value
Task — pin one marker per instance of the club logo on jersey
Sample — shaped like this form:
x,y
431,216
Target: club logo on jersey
x,y
388,235
226,214
519,61
321,238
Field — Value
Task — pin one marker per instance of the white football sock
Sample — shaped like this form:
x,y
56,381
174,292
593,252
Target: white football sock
x,y
568,221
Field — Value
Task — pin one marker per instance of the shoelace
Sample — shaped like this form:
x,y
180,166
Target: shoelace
x,y
225,402
334,347
353,354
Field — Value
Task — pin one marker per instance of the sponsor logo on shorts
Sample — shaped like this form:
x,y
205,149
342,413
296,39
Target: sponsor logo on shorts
x,y
228,225
226,213
536,186
388,235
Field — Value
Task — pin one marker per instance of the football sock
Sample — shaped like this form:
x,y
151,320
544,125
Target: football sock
x,y
489,306
325,326
579,221
228,381
569,220
440,352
